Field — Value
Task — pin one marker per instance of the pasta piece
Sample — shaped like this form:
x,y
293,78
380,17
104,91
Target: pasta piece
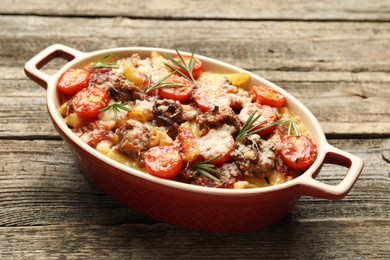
x,y
159,137
105,148
276,178
73,120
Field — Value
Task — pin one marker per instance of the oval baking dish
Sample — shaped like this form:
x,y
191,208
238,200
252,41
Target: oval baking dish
x,y
190,206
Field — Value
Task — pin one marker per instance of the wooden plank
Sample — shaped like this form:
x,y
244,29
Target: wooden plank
x,y
269,45
345,103
352,239
41,185
373,10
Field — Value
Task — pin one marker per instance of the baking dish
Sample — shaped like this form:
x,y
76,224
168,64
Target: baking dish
x,y
190,206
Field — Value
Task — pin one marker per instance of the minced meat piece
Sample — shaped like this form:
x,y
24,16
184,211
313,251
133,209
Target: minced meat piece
x,y
255,157
133,140
218,117
127,91
168,112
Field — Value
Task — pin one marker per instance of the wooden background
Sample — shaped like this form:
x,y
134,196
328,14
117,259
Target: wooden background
x,y
334,56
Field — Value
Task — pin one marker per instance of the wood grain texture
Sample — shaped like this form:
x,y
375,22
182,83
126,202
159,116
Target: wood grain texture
x,y
288,240
268,45
203,9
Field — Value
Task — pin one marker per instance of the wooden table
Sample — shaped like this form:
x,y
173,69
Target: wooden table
x,y
332,55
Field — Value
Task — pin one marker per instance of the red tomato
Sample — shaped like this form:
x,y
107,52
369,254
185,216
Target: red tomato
x,y
177,93
268,116
163,161
265,95
209,99
198,67
216,143
94,132
99,76
298,152
88,102
73,80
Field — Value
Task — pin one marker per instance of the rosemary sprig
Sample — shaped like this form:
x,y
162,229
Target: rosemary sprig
x,y
206,168
161,83
250,127
179,67
293,126
99,64
116,107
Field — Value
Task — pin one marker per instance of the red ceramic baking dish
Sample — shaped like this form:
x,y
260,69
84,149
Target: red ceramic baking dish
x,y
186,205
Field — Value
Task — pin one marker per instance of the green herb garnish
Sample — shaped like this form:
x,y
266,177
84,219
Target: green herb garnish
x,y
250,128
179,67
293,126
161,83
206,168
99,64
116,107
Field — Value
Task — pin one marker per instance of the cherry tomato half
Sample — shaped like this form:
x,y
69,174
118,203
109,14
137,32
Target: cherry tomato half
x,y
208,99
177,93
268,116
88,102
198,67
217,143
163,161
265,95
73,80
298,152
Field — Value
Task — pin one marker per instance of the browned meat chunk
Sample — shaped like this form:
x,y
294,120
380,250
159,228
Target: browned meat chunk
x,y
217,117
255,157
230,175
168,113
133,140
99,76
127,91
116,85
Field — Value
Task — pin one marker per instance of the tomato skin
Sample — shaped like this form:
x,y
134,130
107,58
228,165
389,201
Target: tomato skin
x,y
208,99
72,81
217,143
223,159
298,152
163,161
265,95
180,94
196,71
268,116
88,102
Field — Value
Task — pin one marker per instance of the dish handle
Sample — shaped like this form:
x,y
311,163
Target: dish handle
x,y
33,66
315,188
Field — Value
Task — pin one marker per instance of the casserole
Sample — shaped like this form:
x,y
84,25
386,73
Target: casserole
x,y
190,206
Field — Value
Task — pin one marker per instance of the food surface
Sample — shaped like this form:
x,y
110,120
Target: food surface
x,y
171,118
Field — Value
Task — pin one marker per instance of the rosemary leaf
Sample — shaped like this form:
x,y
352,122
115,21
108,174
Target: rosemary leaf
x,y
98,64
248,125
279,122
116,107
161,83
250,128
182,65
205,173
293,126
205,168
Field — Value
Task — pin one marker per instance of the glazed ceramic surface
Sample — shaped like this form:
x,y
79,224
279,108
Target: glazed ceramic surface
x,y
186,205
